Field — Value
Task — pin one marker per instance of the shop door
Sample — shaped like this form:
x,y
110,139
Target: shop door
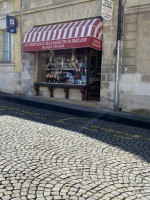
x,y
94,75
43,58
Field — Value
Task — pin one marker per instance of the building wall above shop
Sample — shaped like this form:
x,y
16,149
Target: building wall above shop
x,y
70,12
34,5
6,6
137,6
134,3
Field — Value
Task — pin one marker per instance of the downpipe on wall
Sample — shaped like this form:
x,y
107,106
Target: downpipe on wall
x,y
119,31
21,56
116,96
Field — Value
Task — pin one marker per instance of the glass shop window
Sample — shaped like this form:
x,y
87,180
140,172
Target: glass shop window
x,y
66,66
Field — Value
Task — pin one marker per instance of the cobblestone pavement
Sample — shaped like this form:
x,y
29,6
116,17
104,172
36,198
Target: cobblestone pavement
x,y
50,155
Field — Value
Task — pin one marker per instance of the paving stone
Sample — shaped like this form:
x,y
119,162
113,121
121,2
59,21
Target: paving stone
x,y
6,197
83,158
17,198
49,198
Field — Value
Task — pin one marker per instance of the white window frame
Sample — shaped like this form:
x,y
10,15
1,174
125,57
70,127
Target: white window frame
x,y
8,59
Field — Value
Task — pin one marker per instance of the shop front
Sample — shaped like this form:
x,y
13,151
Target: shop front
x,y
68,58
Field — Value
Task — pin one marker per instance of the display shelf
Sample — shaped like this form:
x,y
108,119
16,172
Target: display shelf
x,y
58,69
67,69
66,87
96,76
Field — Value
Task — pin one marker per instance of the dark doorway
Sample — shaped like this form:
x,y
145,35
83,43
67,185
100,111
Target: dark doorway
x,y
94,75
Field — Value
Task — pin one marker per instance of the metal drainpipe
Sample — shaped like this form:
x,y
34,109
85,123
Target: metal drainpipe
x,y
116,95
21,40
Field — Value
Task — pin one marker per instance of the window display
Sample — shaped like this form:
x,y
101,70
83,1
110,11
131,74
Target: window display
x,y
71,70
67,66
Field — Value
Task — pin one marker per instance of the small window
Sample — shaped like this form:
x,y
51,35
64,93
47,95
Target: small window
x,y
6,47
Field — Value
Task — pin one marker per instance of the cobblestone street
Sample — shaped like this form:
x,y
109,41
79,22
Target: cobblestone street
x,y
48,155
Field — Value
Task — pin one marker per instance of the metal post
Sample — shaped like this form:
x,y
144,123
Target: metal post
x,y
116,102
116,95
21,28
9,50
21,56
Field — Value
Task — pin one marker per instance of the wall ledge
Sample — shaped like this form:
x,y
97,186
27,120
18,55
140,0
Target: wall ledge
x,y
137,9
6,64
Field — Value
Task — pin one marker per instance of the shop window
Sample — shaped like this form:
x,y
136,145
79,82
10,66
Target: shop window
x,y
63,66
6,47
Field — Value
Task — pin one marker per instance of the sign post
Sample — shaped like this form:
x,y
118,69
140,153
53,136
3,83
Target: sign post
x,y
107,9
11,24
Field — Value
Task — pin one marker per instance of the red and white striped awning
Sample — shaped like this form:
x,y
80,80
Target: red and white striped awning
x,y
78,34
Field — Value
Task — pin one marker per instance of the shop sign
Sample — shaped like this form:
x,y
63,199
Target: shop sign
x,y
107,9
11,24
63,44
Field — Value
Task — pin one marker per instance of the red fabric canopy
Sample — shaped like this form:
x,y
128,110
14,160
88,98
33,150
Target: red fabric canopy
x,y
85,33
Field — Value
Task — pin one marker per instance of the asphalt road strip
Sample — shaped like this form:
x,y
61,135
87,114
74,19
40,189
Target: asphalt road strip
x,y
93,128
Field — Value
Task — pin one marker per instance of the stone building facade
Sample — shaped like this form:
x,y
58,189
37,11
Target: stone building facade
x,y
134,72
10,69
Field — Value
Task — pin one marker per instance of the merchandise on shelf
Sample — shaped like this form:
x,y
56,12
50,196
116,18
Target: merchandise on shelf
x,y
70,69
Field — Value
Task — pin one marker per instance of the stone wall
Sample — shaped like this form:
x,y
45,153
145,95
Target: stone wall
x,y
10,80
7,78
39,4
61,13
28,71
134,82
6,7
6,69
135,70
108,60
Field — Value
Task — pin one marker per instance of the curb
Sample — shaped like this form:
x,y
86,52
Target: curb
x,y
131,119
